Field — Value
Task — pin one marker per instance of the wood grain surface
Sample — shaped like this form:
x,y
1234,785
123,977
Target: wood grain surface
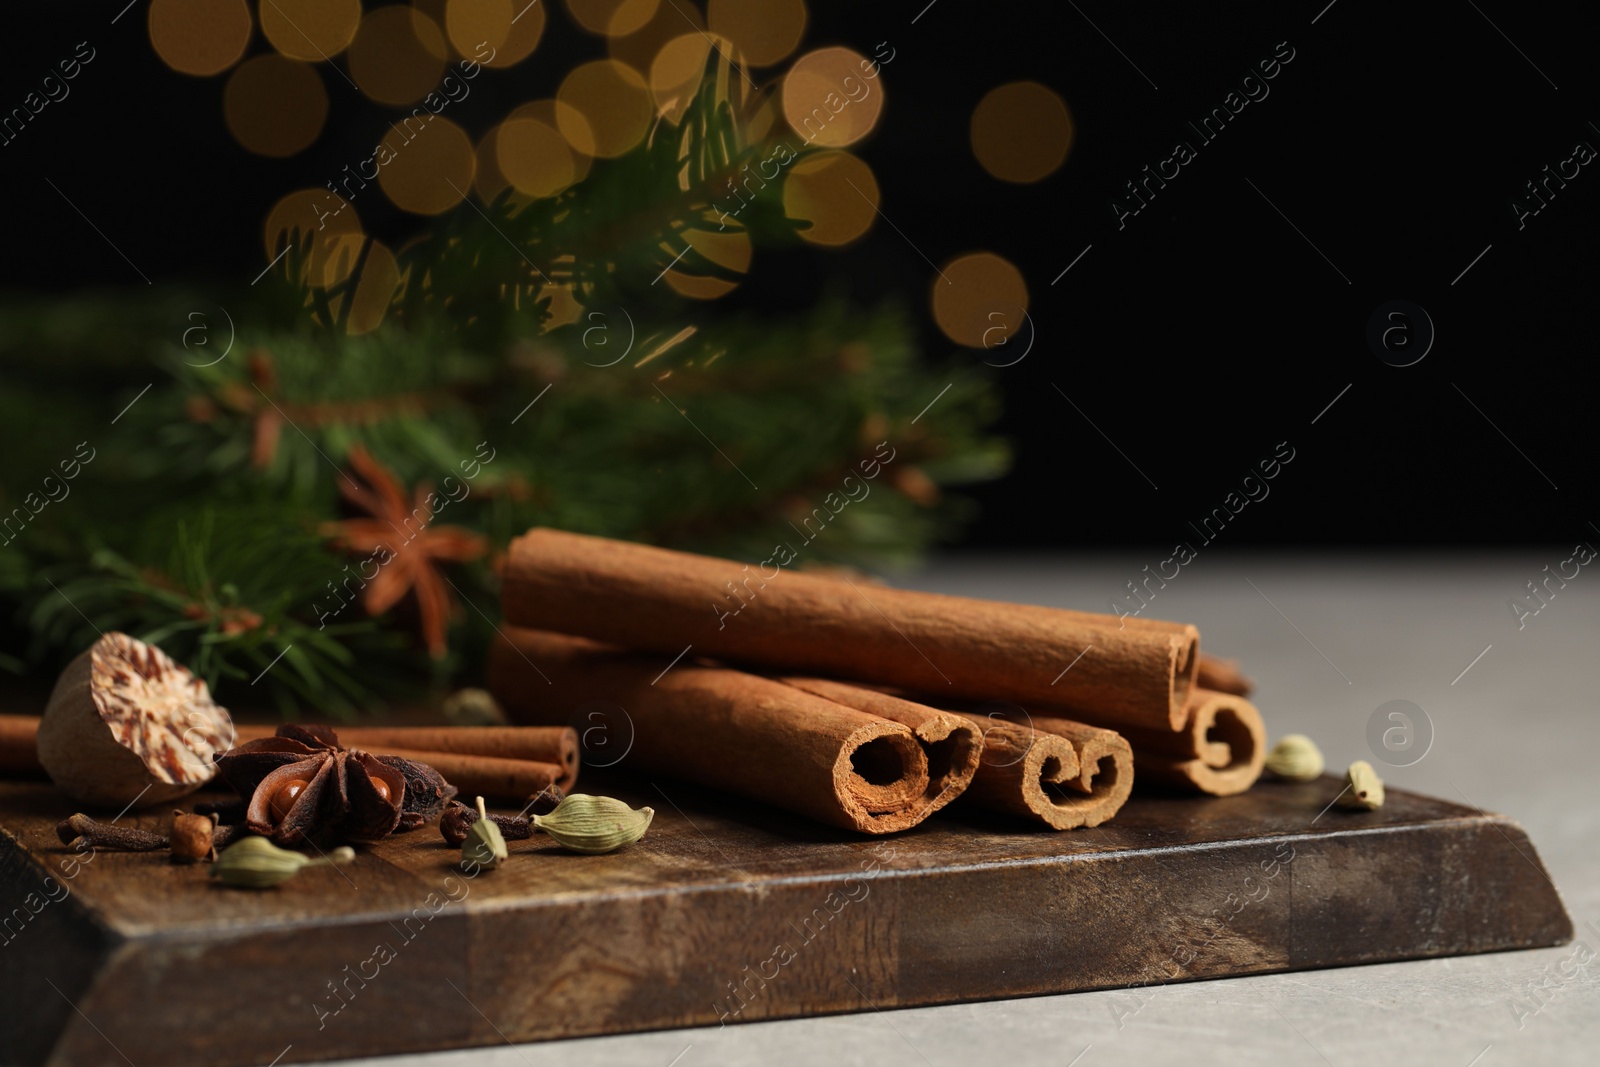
x,y
726,911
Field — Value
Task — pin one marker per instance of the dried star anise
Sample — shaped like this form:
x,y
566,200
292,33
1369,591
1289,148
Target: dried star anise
x,y
302,785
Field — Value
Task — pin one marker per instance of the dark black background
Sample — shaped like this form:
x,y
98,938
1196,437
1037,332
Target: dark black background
x,y
1196,338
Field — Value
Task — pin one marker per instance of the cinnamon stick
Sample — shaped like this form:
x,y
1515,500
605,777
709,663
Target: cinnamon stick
x,y
1223,675
490,776
1221,749
1063,773
746,734
540,744
658,600
952,744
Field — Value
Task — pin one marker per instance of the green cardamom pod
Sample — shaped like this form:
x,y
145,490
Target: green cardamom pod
x,y
1363,789
256,863
591,824
485,845
1296,758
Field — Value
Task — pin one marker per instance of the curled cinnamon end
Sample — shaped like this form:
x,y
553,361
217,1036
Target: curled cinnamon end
x,y
1221,749
880,778
1026,772
951,744
1105,774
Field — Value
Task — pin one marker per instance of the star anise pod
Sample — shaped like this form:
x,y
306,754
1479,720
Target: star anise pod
x,y
302,785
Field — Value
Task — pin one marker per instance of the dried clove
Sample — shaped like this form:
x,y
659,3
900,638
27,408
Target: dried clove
x,y
114,838
458,819
109,836
545,800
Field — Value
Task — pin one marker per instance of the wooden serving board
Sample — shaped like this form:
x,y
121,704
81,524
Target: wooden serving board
x,y
726,911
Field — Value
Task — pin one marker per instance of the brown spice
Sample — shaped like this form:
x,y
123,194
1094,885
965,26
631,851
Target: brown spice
x,y
108,836
545,800
474,751
458,819
1224,676
193,837
655,600
185,840
754,736
304,785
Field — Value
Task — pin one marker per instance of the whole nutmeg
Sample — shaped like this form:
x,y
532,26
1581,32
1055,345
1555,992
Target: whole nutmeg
x,y
193,837
128,726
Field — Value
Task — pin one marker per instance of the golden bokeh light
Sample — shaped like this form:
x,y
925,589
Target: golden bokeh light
x,y
534,157
275,106
728,248
828,98
836,193
613,104
1021,132
398,55
429,173
547,112
676,72
335,258
613,18
200,37
312,30
505,30
369,304
762,31
330,222
488,181
979,300
639,48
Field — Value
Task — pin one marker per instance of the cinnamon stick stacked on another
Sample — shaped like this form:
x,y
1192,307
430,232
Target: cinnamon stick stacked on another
x,y
656,600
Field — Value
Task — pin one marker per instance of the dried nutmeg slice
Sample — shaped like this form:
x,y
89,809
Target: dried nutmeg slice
x,y
128,726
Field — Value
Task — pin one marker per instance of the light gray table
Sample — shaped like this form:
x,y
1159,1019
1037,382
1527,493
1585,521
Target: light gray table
x,y
1328,639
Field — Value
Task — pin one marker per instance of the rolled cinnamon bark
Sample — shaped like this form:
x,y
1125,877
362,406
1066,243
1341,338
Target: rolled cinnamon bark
x,y
952,744
1224,676
1062,773
539,744
1221,749
749,735
1018,765
502,779
1105,767
658,600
